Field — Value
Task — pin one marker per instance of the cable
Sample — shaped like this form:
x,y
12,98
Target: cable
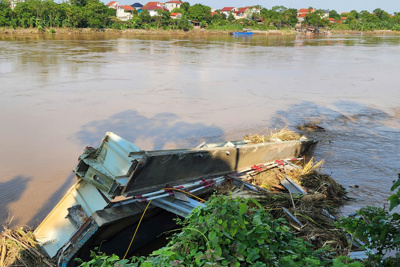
x,y
140,221
137,227
202,200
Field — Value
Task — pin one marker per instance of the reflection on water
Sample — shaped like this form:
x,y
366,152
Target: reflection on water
x,y
60,93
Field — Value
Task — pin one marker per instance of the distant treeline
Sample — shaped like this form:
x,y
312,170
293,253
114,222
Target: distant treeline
x,y
43,14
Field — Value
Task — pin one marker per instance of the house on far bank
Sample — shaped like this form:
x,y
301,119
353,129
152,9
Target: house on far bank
x,y
228,10
246,12
325,14
153,4
153,9
170,5
176,15
332,20
137,6
302,13
125,13
196,24
113,4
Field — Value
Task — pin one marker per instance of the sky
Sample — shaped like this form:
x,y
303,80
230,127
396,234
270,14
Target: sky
x,y
390,6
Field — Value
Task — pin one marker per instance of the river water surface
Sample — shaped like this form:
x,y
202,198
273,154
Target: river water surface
x,y
59,94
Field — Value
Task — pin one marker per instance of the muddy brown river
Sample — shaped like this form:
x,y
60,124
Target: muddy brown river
x,y
59,94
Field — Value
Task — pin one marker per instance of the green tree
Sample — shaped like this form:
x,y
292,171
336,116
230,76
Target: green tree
x,y
365,16
381,14
5,13
179,10
145,16
350,19
183,24
80,3
199,12
135,22
355,14
396,18
185,6
334,15
290,17
163,19
316,19
23,12
74,17
231,17
216,19
275,14
97,14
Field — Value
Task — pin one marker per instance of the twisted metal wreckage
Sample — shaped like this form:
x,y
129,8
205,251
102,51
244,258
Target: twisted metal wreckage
x,y
117,179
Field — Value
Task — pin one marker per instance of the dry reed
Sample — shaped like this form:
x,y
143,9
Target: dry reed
x,y
276,135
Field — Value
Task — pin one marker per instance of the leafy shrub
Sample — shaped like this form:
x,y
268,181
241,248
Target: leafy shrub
x,y
230,232
378,228
235,232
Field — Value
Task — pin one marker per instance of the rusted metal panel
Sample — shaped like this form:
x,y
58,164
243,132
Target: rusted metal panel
x,y
77,215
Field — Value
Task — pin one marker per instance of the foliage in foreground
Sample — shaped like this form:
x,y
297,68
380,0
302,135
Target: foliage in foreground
x,y
231,232
379,229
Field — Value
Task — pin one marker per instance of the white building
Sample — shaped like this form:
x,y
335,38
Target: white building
x,y
228,10
170,5
122,14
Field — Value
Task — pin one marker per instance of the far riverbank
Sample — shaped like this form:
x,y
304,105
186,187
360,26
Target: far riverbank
x,y
29,31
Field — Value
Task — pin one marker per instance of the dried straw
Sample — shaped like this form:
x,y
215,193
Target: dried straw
x,y
274,136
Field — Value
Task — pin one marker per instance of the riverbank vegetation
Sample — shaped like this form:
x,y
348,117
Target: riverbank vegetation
x,y
47,14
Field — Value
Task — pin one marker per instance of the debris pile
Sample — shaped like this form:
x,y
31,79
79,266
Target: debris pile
x,y
18,248
310,214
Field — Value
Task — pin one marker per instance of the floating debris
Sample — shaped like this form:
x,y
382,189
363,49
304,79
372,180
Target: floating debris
x,y
310,127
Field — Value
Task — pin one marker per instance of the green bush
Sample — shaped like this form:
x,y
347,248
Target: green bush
x,y
378,228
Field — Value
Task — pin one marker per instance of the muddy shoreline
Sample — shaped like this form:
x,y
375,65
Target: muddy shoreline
x,y
194,32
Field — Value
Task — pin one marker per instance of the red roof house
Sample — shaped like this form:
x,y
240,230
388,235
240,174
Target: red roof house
x,y
176,15
242,10
152,7
113,4
153,4
227,9
128,8
304,11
